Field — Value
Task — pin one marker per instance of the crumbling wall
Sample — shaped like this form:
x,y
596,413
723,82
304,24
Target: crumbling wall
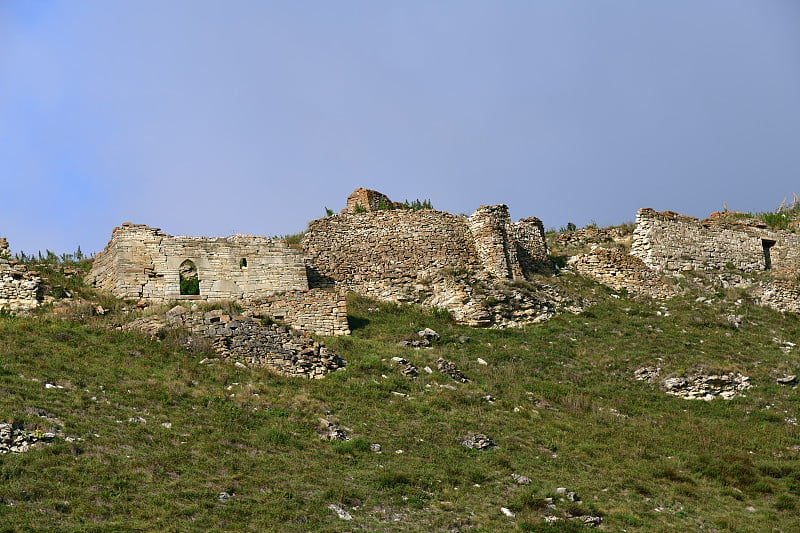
x,y
319,311
143,262
669,241
621,271
19,289
379,253
492,234
366,200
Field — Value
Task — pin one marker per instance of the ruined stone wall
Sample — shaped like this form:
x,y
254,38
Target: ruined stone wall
x,y
491,232
781,295
366,199
382,253
243,339
319,311
19,289
143,262
674,242
378,253
531,246
621,271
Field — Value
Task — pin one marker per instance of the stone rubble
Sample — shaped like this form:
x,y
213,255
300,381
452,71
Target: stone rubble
x,y
477,441
708,387
329,430
15,439
247,340
448,368
406,368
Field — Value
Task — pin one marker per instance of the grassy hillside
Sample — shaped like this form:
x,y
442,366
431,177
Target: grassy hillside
x,y
149,438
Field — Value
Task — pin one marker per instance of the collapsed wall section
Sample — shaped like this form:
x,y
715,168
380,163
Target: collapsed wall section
x,y
669,241
19,288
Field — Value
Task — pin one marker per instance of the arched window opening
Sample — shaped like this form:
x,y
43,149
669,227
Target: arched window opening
x,y
243,262
190,282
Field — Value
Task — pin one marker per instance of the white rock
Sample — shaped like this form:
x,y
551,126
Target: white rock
x,y
508,512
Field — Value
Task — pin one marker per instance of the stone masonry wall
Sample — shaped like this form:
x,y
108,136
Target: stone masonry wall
x,y
377,253
621,271
366,199
319,311
491,232
380,253
143,262
670,241
19,289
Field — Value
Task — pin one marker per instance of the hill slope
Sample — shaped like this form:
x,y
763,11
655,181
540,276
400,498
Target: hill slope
x,y
150,439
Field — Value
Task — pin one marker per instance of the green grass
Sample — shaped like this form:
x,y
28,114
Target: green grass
x,y
567,413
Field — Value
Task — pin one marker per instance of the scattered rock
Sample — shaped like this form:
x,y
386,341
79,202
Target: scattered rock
x,y
332,431
449,369
508,512
477,441
707,387
463,339
647,373
137,420
15,439
340,512
224,496
429,335
482,362
788,379
406,368
375,447
521,480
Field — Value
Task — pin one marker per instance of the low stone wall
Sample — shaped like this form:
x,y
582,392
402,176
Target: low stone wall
x,y
319,311
621,271
244,339
670,241
19,289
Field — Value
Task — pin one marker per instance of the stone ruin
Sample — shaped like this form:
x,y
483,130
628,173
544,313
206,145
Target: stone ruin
x,y
144,263
388,252
673,242
667,244
19,288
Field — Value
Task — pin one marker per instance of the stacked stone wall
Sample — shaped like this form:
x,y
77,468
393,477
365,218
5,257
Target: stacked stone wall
x,y
621,271
491,232
143,262
366,200
670,241
319,311
19,288
531,246
379,253
244,339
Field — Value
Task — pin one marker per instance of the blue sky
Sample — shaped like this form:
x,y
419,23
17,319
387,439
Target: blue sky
x,y
213,118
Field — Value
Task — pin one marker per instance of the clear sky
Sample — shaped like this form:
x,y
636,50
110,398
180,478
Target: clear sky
x,y
221,117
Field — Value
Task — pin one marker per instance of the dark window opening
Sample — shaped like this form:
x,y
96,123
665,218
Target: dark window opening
x,y
766,244
243,262
190,281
